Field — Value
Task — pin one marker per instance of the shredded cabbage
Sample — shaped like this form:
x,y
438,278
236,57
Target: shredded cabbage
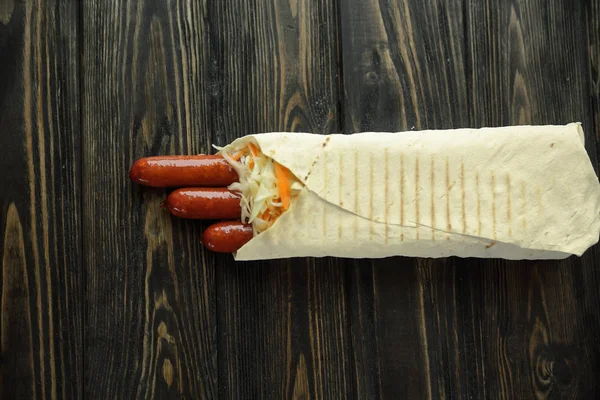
x,y
260,199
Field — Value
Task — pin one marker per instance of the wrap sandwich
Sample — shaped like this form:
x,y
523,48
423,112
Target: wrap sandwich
x,y
522,192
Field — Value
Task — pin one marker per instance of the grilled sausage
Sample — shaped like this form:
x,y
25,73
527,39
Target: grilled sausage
x,y
226,237
178,171
204,203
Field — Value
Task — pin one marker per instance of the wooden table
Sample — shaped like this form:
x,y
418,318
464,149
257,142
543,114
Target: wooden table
x,y
103,295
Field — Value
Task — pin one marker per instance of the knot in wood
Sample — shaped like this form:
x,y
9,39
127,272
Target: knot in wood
x,y
371,77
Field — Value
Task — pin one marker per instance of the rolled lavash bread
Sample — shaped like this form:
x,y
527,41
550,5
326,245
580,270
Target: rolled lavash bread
x,y
519,192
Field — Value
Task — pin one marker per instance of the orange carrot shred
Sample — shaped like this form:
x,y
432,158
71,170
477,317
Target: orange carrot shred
x,y
265,215
251,163
238,155
283,183
253,149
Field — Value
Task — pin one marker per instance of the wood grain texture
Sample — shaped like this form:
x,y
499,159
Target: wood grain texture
x,y
104,295
150,290
470,328
592,25
282,324
403,65
403,69
542,347
41,279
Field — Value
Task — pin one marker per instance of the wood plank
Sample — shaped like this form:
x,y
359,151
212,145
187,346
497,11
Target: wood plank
x,y
41,279
282,324
150,292
403,65
403,69
592,24
527,65
470,328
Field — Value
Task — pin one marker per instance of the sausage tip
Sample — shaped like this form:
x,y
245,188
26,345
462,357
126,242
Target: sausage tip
x,y
226,237
134,171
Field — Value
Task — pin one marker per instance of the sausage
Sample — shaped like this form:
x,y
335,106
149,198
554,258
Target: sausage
x,y
227,237
204,203
177,171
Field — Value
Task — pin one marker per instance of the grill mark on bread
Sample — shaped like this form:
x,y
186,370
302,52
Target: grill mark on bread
x,y
385,216
340,197
417,194
493,187
508,206
356,192
402,196
448,223
523,205
371,197
478,204
325,179
432,183
312,166
462,186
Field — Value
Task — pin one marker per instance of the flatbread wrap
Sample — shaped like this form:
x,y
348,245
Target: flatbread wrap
x,y
521,192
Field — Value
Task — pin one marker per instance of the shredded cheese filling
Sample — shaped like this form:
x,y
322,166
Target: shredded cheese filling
x,y
267,188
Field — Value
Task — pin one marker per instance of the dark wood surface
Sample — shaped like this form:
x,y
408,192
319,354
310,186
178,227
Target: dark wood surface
x,y
42,277
150,294
103,295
